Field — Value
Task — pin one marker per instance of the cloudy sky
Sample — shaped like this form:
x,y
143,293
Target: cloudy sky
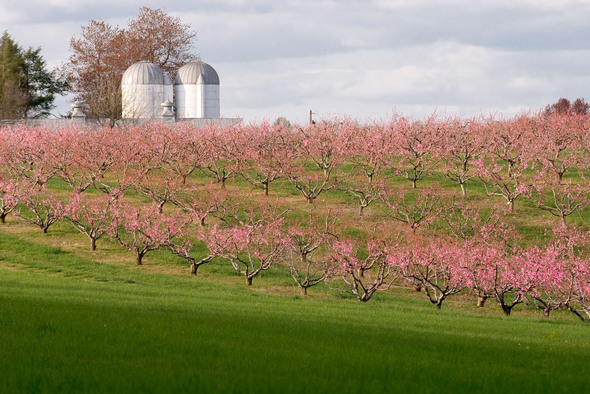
x,y
361,59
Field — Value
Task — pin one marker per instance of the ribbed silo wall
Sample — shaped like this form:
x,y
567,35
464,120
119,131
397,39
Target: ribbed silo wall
x,y
144,101
211,106
197,101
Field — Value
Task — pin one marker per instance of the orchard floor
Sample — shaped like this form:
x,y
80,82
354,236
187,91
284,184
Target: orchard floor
x,y
73,324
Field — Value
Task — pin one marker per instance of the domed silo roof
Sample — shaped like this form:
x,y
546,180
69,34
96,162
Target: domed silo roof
x,y
145,73
144,87
196,72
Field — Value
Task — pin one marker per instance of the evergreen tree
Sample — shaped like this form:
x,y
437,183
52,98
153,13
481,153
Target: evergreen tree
x,y
27,88
39,85
12,98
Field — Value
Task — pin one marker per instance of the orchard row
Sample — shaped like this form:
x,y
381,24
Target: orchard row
x,y
483,257
109,173
543,157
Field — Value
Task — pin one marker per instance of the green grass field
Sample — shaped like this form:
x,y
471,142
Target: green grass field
x,y
73,324
72,320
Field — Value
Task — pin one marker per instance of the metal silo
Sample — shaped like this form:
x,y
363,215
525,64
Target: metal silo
x,y
196,91
144,88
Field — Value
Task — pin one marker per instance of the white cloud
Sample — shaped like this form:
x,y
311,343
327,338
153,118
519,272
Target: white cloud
x,y
362,58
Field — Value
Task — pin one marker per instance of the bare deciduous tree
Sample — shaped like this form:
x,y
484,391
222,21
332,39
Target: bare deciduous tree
x,y
102,53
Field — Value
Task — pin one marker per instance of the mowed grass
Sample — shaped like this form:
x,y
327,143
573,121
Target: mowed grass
x,y
71,324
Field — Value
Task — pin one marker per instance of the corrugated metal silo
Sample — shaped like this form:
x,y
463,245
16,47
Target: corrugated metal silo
x,y
144,88
196,90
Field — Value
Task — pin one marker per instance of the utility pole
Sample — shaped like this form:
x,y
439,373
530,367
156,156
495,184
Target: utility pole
x,y
311,117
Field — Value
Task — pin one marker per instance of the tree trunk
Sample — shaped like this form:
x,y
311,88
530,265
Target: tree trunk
x,y
139,258
575,312
194,268
546,312
249,280
3,218
360,272
365,297
45,228
304,289
92,244
481,301
463,189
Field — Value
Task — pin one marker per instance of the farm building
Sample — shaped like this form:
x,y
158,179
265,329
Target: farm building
x,y
144,88
196,89
148,93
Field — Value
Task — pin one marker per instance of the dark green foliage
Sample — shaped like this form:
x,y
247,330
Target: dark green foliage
x,y
39,85
11,64
27,88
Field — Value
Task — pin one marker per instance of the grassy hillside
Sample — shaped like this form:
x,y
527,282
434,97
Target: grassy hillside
x,y
72,324
76,320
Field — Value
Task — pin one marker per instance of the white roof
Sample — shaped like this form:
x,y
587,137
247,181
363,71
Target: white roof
x,y
196,72
145,73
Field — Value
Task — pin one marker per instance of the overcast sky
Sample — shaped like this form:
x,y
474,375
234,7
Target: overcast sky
x,y
362,59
